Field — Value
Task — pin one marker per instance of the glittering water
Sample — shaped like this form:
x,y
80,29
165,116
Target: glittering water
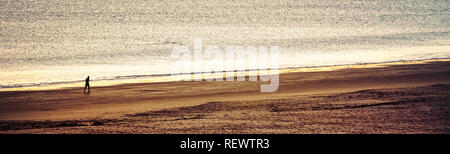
x,y
45,42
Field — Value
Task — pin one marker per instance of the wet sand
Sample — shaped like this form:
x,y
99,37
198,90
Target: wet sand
x,y
412,98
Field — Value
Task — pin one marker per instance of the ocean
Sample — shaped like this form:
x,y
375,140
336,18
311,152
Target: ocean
x,y
51,42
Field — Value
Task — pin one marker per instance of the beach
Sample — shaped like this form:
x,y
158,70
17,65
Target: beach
x,y
399,98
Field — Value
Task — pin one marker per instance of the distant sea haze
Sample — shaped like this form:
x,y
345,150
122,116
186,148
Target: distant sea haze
x,y
54,42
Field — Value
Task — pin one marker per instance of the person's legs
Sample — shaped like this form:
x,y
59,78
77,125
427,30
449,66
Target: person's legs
x,y
85,86
89,88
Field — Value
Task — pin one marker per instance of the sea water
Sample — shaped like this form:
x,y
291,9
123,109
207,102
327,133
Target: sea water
x,y
58,42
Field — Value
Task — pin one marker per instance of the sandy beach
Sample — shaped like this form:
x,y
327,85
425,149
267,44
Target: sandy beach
x,y
407,98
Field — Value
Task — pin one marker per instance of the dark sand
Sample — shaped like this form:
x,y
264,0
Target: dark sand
x,y
412,98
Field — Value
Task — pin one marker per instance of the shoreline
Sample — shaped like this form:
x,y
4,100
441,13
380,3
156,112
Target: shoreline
x,y
158,78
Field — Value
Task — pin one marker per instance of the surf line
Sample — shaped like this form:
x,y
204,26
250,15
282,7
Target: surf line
x,y
234,64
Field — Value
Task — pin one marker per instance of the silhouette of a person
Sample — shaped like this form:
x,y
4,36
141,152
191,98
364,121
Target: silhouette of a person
x,y
87,86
